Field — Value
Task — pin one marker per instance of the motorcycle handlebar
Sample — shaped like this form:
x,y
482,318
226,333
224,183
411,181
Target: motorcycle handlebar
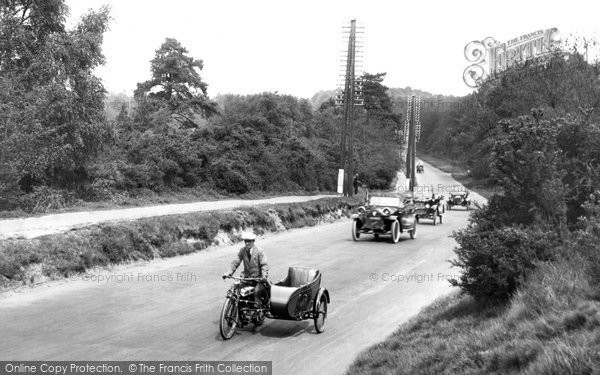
x,y
245,278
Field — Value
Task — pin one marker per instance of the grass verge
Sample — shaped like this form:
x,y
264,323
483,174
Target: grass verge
x,y
24,262
551,326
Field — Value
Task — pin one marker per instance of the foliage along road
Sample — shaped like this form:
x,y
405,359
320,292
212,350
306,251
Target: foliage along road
x,y
38,226
169,309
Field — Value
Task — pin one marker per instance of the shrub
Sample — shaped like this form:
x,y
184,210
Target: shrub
x,y
44,198
15,255
495,262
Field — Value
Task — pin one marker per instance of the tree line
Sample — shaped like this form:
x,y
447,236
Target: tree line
x,y
532,130
59,147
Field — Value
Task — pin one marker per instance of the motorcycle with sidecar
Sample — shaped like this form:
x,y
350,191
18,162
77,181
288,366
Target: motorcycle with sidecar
x,y
299,296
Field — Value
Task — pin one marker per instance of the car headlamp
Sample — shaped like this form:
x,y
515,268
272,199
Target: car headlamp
x,y
386,211
427,205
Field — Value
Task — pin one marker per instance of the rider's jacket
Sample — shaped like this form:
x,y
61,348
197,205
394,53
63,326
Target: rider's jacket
x,y
254,266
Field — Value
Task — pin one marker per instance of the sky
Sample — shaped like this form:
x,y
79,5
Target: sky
x,y
295,47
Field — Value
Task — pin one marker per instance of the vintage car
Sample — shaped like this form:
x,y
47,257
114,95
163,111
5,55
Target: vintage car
x,y
459,198
299,296
384,215
429,208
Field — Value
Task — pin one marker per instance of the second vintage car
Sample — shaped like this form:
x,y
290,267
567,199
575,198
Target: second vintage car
x,y
384,215
429,208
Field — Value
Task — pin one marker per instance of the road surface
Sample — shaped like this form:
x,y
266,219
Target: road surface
x,y
169,309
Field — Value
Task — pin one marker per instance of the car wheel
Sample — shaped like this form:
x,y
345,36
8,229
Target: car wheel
x,y
440,219
449,207
395,231
355,232
417,218
376,235
434,219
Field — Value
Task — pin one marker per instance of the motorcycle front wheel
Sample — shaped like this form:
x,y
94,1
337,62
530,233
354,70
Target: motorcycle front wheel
x,y
229,318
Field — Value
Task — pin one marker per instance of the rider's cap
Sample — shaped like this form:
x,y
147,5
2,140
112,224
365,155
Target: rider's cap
x,y
248,236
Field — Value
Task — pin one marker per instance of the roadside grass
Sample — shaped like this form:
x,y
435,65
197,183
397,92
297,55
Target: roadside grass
x,y
551,326
27,261
480,186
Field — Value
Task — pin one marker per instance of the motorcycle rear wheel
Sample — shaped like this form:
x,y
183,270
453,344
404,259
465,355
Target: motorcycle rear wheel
x,y
229,317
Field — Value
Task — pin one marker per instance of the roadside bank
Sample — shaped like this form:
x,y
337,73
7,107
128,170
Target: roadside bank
x,y
27,262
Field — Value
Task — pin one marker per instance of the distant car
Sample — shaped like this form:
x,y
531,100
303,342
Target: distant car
x,y
429,208
384,215
459,198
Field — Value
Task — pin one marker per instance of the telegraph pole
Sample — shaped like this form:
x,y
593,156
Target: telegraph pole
x,y
351,96
414,133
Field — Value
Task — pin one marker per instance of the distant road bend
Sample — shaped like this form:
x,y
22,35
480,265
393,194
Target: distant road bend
x,y
38,226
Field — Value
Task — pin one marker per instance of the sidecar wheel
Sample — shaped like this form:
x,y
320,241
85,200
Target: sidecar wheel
x,y
413,232
229,316
320,314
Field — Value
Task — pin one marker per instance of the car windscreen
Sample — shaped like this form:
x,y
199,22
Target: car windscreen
x,y
385,201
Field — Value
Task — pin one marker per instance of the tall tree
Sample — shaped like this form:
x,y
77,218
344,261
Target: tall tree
x,y
378,103
51,120
176,86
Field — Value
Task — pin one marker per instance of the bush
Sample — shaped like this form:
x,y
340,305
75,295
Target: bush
x,y
495,262
44,198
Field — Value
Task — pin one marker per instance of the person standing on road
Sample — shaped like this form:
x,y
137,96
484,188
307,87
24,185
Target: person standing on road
x,y
355,183
255,265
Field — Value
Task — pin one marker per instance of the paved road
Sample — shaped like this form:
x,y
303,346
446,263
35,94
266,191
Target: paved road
x,y
169,310
39,226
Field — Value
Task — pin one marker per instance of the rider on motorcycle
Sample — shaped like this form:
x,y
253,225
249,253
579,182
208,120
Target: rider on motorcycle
x,y
255,265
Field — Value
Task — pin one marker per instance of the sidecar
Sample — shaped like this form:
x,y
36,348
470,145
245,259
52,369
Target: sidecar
x,y
300,297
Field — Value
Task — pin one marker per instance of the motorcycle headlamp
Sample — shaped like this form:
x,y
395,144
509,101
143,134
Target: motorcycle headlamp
x,y
361,210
